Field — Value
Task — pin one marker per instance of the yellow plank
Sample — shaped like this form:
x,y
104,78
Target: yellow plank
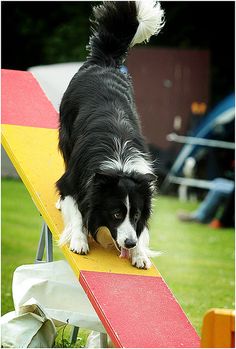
x,y
34,153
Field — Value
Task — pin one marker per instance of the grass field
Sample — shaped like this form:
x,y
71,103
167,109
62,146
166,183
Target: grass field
x,y
197,264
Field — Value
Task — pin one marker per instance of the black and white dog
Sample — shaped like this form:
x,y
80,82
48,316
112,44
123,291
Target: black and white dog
x,y
108,179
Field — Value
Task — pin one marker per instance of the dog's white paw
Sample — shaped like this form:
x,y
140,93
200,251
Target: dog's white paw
x,y
79,245
141,262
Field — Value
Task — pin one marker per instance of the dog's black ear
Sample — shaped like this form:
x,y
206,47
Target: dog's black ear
x,y
106,177
147,177
150,177
147,181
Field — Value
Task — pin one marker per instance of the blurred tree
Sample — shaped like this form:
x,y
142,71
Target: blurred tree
x,y
50,32
45,32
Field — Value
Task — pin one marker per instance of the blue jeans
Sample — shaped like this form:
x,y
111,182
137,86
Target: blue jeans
x,y
218,194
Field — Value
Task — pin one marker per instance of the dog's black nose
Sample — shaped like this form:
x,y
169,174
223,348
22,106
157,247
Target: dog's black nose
x,y
130,243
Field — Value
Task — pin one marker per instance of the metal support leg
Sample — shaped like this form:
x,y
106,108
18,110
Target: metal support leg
x,y
74,335
45,241
103,340
49,245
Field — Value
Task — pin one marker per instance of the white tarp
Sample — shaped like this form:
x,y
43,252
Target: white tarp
x,y
54,79
28,327
59,292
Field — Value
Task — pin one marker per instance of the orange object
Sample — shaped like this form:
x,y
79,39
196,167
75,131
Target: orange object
x,y
218,329
198,108
215,223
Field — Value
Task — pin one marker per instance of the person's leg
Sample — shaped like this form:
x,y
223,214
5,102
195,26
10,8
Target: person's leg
x,y
207,210
220,192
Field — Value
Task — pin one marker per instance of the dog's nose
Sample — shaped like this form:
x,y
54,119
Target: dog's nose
x,y
130,243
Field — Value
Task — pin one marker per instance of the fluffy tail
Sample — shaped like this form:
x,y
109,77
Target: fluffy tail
x,y
152,253
119,25
66,236
144,244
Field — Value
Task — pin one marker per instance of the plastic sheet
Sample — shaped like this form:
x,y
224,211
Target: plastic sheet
x,y
28,327
57,289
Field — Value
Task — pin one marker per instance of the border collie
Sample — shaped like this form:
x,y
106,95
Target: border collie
x,y
109,179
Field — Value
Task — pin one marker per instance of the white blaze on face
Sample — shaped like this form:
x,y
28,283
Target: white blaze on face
x,y
126,230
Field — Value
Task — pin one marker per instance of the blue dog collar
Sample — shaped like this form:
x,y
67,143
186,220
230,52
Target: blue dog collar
x,y
123,69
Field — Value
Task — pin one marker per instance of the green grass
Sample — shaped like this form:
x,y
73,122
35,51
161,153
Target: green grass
x,y
197,264
198,261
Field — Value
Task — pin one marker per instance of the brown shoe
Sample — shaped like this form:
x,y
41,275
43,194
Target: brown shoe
x,y
186,217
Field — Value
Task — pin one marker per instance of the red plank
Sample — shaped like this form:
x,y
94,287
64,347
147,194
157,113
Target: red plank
x,y
138,311
24,103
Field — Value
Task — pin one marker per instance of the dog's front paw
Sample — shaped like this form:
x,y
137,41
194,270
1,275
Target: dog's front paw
x,y
79,245
141,262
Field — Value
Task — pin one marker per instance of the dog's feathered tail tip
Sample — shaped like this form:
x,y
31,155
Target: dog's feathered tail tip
x,y
153,254
65,236
150,16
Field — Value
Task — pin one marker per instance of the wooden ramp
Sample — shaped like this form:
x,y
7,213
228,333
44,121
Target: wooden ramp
x,y
135,306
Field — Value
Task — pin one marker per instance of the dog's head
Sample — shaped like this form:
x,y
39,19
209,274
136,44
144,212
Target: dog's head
x,y
122,204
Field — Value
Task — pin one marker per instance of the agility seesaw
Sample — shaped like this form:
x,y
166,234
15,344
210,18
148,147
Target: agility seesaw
x,y
135,306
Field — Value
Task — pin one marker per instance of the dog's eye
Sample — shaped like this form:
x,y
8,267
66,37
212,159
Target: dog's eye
x,y
117,215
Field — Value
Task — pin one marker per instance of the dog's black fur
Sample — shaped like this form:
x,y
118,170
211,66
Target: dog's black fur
x,y
98,107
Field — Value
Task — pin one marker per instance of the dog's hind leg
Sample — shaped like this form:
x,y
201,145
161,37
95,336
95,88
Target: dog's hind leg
x,y
74,232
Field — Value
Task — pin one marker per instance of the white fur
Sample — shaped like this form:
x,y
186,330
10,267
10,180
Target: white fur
x,y
139,257
140,254
73,232
151,20
127,159
126,230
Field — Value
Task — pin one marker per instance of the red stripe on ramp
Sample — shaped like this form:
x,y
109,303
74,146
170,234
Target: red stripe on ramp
x,y
138,311
24,102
